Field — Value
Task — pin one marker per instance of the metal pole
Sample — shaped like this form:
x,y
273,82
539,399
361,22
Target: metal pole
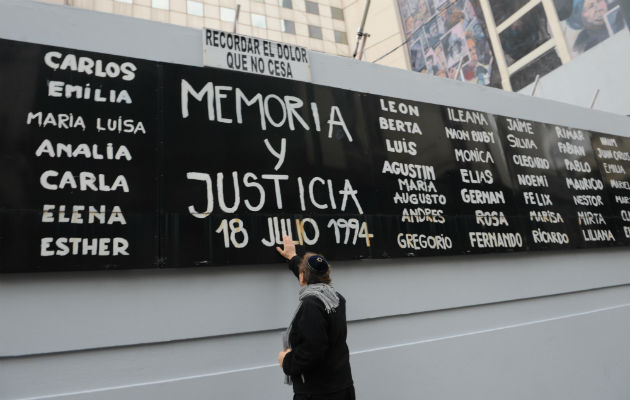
x,y
365,37
535,84
238,10
595,98
459,68
361,26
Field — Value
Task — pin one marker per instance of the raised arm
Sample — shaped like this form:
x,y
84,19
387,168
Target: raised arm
x,y
288,252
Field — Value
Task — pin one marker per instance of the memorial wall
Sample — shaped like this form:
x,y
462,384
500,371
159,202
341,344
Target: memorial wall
x,y
110,162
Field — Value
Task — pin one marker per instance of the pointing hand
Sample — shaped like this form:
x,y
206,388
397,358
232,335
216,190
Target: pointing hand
x,y
289,248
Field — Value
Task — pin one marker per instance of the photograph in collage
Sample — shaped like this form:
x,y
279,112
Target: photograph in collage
x,y
586,23
448,38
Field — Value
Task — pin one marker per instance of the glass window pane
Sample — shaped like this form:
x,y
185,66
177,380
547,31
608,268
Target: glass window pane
x,y
285,3
340,37
337,13
227,14
540,66
288,26
525,34
195,8
315,32
502,9
163,4
312,7
259,21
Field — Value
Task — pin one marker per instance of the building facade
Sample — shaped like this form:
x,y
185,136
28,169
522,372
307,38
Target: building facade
x,y
318,25
503,44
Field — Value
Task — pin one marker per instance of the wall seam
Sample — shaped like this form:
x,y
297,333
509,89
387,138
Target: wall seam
x,y
350,322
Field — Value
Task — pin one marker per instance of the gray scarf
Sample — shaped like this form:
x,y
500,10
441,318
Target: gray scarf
x,y
326,294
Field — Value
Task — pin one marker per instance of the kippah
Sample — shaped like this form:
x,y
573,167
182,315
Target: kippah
x,y
317,264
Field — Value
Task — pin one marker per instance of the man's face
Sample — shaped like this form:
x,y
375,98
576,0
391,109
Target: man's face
x,y
302,279
593,13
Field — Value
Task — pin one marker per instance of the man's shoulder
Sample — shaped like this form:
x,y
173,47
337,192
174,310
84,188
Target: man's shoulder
x,y
312,301
315,302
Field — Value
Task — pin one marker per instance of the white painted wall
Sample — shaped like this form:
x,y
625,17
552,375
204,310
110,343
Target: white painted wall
x,y
525,325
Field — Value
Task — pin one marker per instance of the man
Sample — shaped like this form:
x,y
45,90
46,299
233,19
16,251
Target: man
x,y
316,358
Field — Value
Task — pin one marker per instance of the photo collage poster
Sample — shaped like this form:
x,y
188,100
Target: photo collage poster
x,y
586,23
448,39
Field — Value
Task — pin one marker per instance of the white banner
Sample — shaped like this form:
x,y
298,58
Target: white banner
x,y
255,55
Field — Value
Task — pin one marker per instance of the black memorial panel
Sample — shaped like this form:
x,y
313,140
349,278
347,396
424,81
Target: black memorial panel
x,y
613,156
77,160
540,187
487,212
413,160
248,160
114,162
586,196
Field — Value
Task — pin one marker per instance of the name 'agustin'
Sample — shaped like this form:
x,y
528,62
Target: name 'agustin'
x,y
288,110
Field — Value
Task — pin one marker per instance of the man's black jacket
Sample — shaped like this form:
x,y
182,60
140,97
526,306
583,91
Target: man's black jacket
x,y
319,361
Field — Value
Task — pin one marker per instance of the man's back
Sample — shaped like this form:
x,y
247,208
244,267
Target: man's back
x,y
319,361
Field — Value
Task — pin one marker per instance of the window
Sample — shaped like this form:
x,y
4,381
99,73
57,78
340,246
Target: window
x,y
124,1
525,34
337,13
312,7
285,3
227,14
315,32
259,21
288,26
195,8
540,66
502,9
341,37
162,4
